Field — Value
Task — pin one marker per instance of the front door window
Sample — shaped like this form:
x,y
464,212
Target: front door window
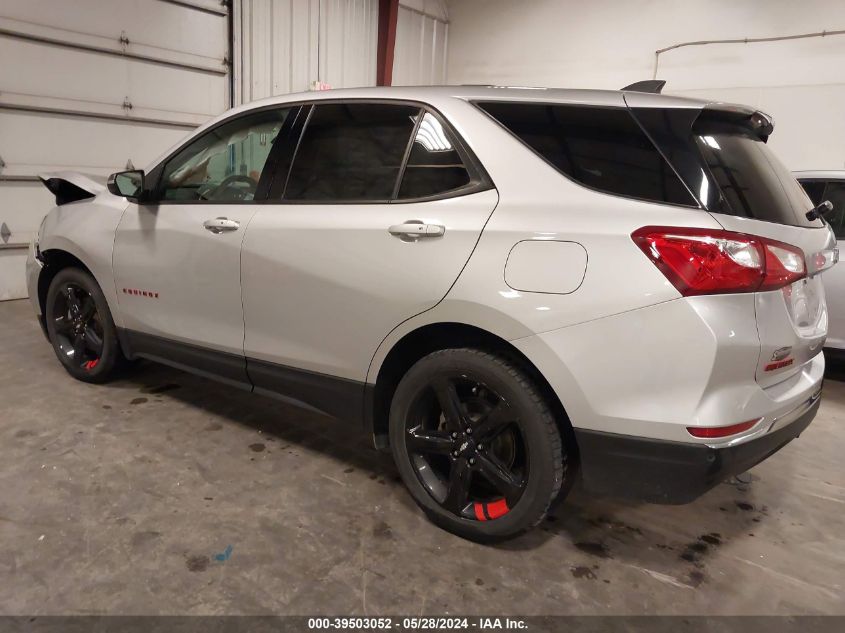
x,y
225,164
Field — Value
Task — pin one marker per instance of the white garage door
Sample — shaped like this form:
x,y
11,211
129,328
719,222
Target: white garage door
x,y
91,86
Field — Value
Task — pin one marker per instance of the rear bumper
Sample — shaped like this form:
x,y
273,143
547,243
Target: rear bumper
x,y
674,472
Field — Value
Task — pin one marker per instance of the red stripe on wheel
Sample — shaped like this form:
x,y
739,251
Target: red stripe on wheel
x,y
479,511
497,508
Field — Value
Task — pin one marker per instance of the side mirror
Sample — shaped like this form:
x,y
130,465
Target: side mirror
x,y
128,184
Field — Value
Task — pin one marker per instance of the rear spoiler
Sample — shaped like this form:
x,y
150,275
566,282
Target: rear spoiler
x,y
653,86
756,121
70,186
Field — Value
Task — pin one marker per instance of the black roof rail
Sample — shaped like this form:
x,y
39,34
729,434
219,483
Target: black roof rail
x,y
653,86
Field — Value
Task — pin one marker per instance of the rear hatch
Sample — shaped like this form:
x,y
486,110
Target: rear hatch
x,y
720,152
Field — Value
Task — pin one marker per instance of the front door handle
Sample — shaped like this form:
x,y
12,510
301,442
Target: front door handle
x,y
221,225
414,230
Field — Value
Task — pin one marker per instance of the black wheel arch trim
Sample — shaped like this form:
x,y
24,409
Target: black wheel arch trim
x,y
432,337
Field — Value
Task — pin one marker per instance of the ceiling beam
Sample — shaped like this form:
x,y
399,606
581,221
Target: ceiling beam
x,y
388,14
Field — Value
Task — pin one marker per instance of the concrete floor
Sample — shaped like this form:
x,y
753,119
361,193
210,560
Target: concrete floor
x,y
126,499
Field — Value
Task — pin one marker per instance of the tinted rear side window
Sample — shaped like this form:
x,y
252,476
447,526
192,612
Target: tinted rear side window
x,y
602,148
835,193
814,189
434,165
351,152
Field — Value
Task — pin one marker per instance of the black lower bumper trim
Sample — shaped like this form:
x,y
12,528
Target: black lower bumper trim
x,y
672,472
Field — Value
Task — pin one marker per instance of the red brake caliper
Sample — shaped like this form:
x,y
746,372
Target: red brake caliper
x,y
91,364
492,510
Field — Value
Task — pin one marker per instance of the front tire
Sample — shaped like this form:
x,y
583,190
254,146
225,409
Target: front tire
x,y
476,444
80,327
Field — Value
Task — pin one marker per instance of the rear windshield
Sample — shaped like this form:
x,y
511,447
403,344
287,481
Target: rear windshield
x,y
752,180
727,165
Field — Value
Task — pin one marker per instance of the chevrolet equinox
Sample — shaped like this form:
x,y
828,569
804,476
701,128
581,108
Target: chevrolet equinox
x,y
506,288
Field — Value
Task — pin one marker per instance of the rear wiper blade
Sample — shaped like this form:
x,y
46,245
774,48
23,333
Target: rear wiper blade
x,y
818,212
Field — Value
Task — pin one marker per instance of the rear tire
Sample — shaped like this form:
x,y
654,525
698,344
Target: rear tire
x,y
80,327
476,444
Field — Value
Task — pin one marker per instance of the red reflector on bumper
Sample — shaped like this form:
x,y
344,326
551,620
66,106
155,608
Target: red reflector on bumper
x,y
779,365
721,431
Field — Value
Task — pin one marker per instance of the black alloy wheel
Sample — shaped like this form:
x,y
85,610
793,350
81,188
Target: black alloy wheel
x,y
466,447
80,326
476,444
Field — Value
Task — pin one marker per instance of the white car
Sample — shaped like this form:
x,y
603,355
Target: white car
x,y
504,287
830,186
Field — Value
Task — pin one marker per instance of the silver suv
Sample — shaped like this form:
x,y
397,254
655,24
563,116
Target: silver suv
x,y
507,288
821,187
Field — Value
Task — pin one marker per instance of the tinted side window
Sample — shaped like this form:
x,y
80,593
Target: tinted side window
x,y
351,152
814,189
835,192
224,164
602,148
434,166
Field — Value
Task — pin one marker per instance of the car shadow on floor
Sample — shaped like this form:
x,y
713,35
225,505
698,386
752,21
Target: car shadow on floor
x,y
601,529
278,420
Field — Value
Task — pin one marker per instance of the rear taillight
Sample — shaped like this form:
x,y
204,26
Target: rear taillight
x,y
710,261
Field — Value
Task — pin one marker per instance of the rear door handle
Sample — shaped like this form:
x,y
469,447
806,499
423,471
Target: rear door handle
x,y
221,225
415,230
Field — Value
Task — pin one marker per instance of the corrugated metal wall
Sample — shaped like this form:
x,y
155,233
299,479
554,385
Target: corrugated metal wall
x,y
283,46
422,39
